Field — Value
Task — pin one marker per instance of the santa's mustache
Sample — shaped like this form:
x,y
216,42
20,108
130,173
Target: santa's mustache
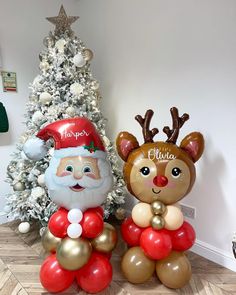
x,y
70,181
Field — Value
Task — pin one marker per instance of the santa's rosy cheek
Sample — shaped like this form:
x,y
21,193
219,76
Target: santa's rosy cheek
x,y
64,173
91,175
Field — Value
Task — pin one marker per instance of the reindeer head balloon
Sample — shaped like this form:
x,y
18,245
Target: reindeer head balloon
x,y
158,174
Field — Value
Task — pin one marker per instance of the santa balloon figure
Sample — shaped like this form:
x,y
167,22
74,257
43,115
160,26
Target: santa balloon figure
x,y
78,179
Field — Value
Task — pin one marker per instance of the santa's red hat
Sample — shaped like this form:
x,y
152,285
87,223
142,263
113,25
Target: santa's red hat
x,y
72,137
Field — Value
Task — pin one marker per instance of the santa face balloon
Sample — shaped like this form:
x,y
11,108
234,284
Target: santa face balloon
x,y
79,175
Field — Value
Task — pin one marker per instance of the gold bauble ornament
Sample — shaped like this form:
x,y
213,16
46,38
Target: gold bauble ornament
x,y
157,222
120,213
88,54
72,254
49,241
19,187
107,240
158,208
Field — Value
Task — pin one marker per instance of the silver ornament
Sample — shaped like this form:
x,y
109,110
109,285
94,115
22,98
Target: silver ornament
x,y
19,187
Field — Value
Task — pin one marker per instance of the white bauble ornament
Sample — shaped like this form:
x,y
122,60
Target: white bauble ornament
x,y
45,97
37,192
24,227
41,180
60,44
37,118
37,81
75,215
76,88
35,148
74,230
44,65
79,60
71,111
95,85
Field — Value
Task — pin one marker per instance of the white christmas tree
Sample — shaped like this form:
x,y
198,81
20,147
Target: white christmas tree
x,y
64,88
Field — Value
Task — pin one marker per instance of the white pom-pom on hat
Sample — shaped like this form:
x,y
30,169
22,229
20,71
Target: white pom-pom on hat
x,y
35,149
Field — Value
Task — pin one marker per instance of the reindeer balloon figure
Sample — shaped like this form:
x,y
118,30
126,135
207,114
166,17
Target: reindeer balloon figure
x,y
158,174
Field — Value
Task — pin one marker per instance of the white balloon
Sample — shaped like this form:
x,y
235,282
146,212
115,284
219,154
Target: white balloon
x,y
24,227
79,60
74,230
75,215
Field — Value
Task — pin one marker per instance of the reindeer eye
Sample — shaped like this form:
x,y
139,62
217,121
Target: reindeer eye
x,y
176,172
145,171
69,168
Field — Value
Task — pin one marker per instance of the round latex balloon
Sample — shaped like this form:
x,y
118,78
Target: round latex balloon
x,y
72,254
173,218
174,271
92,224
136,266
96,275
183,238
142,214
107,240
53,277
155,244
58,223
49,241
130,232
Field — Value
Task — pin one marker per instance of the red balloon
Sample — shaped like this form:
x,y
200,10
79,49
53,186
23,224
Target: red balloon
x,y
53,277
183,238
92,224
96,275
58,223
99,210
107,255
131,232
155,244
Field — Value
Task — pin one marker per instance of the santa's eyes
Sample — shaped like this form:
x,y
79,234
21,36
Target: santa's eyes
x,y
69,168
87,169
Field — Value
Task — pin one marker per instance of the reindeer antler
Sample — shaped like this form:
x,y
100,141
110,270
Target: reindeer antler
x,y
178,122
145,124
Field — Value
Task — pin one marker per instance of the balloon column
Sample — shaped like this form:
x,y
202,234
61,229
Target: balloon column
x,y
78,179
158,174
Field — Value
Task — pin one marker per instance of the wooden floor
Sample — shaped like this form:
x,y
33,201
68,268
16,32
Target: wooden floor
x,y
22,255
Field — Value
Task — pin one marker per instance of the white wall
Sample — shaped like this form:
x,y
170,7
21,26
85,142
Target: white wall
x,y
148,54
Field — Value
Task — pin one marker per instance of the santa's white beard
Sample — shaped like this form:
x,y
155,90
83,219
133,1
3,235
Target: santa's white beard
x,y
93,194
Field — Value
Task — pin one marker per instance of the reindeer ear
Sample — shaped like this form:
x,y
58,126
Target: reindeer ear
x,y
125,143
193,144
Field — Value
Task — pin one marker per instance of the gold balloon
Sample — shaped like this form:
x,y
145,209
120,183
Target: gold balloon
x,y
157,222
88,54
49,241
72,254
107,240
158,208
136,266
174,271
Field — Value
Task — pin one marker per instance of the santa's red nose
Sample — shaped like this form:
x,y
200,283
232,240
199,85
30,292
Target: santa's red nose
x,y
160,180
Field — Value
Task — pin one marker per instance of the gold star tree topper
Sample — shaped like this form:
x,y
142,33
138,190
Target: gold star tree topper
x,y
62,21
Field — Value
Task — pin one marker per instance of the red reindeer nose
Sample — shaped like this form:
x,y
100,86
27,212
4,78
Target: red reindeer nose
x,y
160,180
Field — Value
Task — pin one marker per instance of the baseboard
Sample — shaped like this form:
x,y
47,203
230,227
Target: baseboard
x,y
214,254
